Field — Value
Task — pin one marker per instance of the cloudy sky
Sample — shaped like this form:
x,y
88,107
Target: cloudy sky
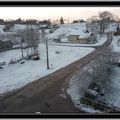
x,y
54,12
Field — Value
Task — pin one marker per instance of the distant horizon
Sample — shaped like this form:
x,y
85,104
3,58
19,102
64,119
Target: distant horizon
x,y
54,13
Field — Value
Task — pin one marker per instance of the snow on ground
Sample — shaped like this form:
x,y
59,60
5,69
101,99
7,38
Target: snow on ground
x,y
59,32
2,32
17,27
1,28
8,55
17,75
112,27
112,90
78,84
114,45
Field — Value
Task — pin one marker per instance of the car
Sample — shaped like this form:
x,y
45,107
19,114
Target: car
x,y
35,56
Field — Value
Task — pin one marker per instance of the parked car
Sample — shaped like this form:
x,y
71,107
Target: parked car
x,y
36,56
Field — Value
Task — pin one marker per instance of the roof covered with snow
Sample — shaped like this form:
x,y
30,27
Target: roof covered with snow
x,y
81,34
67,29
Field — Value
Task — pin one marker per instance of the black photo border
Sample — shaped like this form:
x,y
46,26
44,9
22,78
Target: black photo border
x,y
59,4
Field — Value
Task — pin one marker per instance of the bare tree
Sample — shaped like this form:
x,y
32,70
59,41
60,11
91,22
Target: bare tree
x,y
101,22
20,34
31,37
61,20
92,24
104,20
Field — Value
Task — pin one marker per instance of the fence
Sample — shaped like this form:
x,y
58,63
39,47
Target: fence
x,y
99,105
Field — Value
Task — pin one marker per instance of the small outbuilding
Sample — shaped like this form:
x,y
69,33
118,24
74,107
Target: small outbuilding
x,y
82,37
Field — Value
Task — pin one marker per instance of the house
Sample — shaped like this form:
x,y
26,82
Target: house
x,y
80,36
5,44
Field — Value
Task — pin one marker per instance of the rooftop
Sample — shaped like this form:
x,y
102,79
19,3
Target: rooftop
x,y
80,33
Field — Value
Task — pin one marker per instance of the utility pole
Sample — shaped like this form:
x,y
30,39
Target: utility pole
x,y
47,53
21,46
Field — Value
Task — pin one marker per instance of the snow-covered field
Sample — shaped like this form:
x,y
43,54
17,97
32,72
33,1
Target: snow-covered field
x,y
17,75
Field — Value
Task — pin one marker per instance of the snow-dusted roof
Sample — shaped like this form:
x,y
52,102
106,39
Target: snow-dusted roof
x,y
75,33
66,29
84,35
17,27
44,25
81,34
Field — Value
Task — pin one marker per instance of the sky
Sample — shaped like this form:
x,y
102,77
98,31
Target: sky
x,y
42,13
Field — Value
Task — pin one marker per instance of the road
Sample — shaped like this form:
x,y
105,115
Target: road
x,y
47,94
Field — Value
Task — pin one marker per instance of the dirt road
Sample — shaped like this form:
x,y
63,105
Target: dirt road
x,y
48,94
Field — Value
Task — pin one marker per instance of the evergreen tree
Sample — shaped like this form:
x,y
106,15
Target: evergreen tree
x,y
61,20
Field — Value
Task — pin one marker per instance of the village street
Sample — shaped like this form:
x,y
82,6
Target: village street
x,y
47,94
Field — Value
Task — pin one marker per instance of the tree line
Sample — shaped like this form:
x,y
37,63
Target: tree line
x,y
27,21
